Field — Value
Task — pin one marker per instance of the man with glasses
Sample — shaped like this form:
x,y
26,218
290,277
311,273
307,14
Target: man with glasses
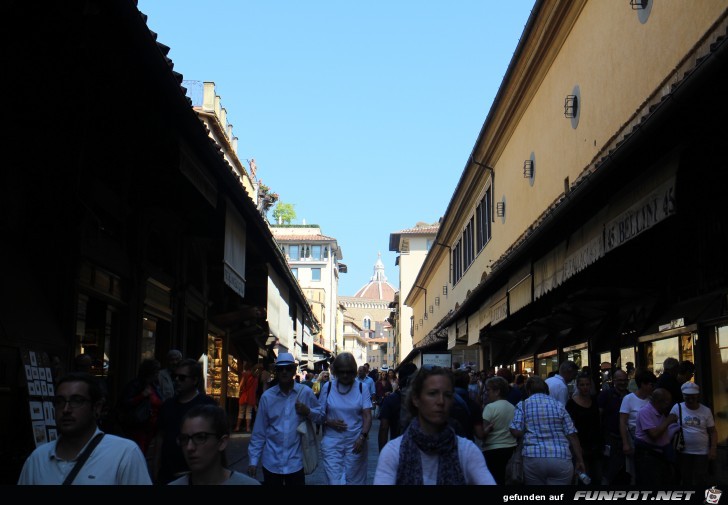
x,y
169,462
275,444
114,460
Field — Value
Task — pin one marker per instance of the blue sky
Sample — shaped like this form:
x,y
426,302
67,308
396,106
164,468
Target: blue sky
x,y
360,114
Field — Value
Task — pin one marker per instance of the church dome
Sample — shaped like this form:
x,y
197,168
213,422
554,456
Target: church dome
x,y
377,288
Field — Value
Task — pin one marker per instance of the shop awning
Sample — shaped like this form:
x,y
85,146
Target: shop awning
x,y
684,316
319,346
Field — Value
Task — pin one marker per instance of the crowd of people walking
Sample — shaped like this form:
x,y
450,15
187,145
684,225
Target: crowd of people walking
x,y
436,426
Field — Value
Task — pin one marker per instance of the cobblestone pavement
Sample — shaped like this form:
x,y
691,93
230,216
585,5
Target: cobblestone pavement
x,y
237,455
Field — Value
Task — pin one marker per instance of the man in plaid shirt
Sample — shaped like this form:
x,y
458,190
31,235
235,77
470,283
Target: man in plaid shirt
x,y
550,444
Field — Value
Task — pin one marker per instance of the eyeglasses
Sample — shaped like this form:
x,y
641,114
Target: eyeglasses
x,y
180,377
345,372
74,401
287,368
199,438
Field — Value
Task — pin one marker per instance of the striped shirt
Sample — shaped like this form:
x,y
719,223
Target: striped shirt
x,y
547,425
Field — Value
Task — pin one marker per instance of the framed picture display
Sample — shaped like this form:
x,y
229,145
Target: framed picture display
x,y
36,410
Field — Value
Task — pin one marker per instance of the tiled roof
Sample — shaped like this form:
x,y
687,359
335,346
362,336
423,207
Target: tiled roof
x,y
421,230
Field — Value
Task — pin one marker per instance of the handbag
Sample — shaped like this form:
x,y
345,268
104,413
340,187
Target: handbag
x,y
309,443
678,439
514,468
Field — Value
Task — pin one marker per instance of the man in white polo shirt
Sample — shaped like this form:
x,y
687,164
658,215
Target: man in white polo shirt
x,y
559,383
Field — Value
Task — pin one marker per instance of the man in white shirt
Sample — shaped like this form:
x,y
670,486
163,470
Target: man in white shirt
x,y
274,443
367,383
559,383
115,460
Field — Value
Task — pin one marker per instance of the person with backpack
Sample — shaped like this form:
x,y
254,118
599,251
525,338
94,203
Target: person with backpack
x,y
345,409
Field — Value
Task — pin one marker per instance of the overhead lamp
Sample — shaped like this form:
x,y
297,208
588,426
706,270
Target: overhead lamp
x,y
571,106
500,209
528,169
421,323
638,4
437,301
432,309
444,290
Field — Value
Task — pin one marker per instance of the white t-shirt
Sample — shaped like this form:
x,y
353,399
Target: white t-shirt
x,y
471,459
631,404
695,424
347,407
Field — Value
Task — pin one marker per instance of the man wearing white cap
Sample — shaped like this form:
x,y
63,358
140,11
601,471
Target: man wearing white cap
x,y
701,439
274,442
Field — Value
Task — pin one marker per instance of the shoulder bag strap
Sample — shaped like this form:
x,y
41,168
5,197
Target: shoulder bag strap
x,y
82,458
679,419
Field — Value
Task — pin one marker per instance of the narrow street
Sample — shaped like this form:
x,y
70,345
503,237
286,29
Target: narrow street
x,y
238,457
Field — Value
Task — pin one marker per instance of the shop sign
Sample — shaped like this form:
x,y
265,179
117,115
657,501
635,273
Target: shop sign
x,y
443,360
675,323
641,216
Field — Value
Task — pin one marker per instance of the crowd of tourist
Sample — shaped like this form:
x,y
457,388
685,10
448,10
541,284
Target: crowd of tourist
x,y
437,425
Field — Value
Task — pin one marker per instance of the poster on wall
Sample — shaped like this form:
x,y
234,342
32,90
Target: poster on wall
x,y
39,379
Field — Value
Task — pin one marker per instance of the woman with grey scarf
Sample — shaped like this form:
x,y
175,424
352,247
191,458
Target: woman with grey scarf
x,y
429,452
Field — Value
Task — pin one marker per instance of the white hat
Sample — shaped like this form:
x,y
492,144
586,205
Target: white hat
x,y
285,358
690,388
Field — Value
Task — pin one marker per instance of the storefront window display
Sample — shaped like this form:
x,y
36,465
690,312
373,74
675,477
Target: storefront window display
x,y
525,366
680,347
719,378
579,354
547,362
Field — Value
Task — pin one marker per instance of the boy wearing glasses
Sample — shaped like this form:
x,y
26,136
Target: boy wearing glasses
x,y
169,462
115,460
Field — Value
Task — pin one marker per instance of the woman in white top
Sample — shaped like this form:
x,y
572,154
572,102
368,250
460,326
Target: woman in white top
x,y
631,405
429,452
346,413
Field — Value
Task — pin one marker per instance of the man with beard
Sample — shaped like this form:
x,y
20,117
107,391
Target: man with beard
x,y
112,460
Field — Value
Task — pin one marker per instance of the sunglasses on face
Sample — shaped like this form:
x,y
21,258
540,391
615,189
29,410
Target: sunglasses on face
x,y
180,377
287,368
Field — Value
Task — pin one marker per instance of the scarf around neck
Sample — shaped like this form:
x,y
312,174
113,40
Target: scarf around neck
x,y
444,444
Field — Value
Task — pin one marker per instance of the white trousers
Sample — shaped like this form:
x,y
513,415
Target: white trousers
x,y
341,465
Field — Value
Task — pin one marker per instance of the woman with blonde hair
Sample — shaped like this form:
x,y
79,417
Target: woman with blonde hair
x,y
429,451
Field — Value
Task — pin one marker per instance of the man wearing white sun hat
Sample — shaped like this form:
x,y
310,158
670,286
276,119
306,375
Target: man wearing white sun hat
x,y
275,443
